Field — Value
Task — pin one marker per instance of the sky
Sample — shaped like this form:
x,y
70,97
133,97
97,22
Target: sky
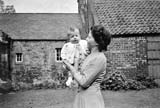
x,y
44,6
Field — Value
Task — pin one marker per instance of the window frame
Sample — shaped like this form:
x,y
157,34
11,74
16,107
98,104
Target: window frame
x,y
21,55
56,54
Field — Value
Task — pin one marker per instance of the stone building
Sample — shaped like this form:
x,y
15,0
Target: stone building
x,y
37,40
135,28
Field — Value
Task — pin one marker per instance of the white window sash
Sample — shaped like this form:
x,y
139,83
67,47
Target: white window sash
x,y
58,50
19,56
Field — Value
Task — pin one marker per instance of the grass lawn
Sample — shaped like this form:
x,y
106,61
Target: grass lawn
x,y
149,98
133,99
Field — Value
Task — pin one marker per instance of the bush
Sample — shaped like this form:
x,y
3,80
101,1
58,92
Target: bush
x,y
117,81
59,76
46,83
57,79
5,86
32,78
148,82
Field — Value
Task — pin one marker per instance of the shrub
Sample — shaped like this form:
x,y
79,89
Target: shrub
x,y
148,82
117,81
56,79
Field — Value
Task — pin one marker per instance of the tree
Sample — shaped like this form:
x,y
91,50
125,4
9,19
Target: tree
x,y
1,6
7,8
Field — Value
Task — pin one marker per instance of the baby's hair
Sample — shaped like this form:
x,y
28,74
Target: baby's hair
x,y
73,30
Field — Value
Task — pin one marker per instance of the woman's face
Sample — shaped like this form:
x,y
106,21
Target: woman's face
x,y
90,40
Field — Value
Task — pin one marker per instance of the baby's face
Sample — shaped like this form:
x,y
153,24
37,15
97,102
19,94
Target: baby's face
x,y
74,38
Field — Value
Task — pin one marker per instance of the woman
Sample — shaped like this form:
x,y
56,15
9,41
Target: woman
x,y
92,71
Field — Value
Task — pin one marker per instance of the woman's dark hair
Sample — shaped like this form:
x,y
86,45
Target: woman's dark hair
x,y
101,36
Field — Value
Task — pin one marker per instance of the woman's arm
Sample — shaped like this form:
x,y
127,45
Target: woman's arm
x,y
90,73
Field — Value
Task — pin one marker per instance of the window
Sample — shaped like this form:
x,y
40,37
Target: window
x,y
58,55
19,57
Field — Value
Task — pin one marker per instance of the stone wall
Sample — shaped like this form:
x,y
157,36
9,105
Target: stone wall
x,y
38,61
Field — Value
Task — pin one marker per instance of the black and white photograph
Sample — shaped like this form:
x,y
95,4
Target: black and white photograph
x,y
79,53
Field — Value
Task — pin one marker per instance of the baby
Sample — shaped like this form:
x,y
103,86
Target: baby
x,y
75,48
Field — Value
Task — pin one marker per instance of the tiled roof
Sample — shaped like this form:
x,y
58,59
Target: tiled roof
x,y
129,16
38,25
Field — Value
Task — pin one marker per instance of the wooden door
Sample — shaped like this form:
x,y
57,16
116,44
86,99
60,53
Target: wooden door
x,y
153,53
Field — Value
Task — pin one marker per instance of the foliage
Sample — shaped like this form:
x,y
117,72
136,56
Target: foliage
x,y
56,80
60,76
34,77
3,70
7,8
27,74
118,81
147,81
5,86
24,77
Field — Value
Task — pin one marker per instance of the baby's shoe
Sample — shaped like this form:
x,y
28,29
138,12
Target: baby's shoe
x,y
74,84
